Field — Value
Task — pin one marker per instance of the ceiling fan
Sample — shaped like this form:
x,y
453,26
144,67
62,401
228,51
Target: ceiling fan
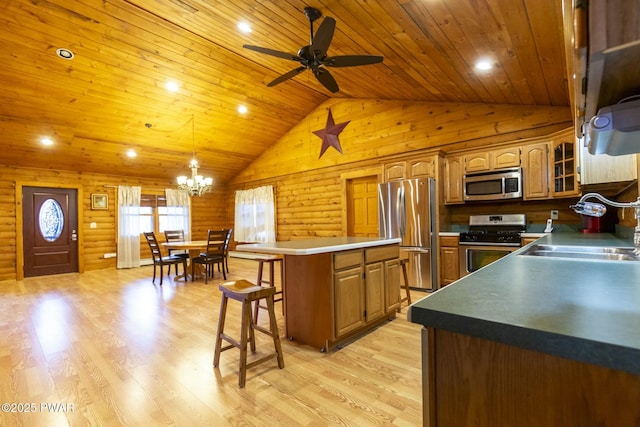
x,y
314,57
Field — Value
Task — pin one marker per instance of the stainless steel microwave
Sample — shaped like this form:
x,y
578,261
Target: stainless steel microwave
x,y
494,185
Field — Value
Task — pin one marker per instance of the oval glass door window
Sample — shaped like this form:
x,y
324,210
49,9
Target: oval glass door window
x,y
51,220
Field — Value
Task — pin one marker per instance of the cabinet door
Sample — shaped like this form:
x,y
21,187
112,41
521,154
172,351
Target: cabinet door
x,y
422,168
598,169
535,168
392,284
374,293
564,173
505,158
449,264
453,184
349,300
394,171
477,162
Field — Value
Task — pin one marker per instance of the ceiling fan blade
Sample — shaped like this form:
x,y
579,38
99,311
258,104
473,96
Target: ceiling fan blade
x,y
351,60
326,79
272,52
287,76
322,39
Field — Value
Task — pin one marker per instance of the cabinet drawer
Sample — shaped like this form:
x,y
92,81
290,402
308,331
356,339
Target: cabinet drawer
x,y
347,259
449,241
381,253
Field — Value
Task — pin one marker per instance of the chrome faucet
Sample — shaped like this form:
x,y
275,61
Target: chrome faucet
x,y
597,209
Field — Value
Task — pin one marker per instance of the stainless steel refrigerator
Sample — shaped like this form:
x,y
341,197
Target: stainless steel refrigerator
x,y
407,209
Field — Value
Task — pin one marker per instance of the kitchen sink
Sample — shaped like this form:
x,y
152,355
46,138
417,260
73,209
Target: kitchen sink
x,y
583,252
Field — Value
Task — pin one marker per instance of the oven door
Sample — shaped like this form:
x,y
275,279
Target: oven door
x,y
474,256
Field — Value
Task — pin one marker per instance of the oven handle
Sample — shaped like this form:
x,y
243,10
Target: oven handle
x,y
514,245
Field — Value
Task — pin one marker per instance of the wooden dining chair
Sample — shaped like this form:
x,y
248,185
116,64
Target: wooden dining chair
x,y
159,260
215,254
226,247
176,236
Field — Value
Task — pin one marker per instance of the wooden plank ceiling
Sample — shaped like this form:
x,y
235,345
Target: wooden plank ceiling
x,y
111,96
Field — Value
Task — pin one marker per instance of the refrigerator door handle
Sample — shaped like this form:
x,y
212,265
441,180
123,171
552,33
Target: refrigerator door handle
x,y
403,213
417,250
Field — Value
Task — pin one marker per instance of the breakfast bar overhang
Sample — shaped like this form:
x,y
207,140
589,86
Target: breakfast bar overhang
x,y
336,288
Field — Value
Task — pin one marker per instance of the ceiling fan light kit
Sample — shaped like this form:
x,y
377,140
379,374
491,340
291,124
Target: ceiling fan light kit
x,y
314,56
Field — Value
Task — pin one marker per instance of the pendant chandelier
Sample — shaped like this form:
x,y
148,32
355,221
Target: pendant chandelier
x,y
197,185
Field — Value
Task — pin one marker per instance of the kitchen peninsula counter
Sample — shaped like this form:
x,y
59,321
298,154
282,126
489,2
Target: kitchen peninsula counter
x,y
532,336
336,288
316,246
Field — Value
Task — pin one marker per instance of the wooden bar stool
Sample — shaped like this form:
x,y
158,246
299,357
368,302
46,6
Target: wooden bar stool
x,y
271,260
246,292
403,264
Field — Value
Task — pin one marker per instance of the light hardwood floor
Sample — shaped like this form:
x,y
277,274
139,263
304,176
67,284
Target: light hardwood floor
x,y
109,348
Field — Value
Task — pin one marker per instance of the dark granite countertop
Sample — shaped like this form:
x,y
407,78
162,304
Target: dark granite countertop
x,y
577,309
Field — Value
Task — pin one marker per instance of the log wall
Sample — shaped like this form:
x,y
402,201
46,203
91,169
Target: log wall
x,y
207,211
309,189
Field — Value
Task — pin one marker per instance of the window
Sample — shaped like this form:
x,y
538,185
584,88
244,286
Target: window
x,y
156,216
255,215
51,220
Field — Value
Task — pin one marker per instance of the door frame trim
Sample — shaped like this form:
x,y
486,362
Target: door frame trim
x,y
347,176
20,225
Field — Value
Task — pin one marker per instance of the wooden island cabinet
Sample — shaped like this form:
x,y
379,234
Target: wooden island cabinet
x,y
336,288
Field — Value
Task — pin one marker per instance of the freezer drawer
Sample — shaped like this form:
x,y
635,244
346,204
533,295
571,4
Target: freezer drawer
x,y
419,268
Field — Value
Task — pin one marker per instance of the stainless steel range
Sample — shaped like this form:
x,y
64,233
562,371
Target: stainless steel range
x,y
490,237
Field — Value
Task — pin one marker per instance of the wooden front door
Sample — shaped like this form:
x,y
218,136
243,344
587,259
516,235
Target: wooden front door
x,y
50,230
362,207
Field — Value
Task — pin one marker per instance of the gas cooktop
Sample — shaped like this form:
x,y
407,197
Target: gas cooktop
x,y
495,229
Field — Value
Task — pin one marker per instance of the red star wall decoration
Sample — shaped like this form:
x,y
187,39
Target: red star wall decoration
x,y
329,134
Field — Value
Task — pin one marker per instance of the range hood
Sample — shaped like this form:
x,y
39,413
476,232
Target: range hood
x,y
615,130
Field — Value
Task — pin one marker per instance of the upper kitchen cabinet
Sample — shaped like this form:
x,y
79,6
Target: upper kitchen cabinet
x,y
422,168
492,160
454,170
419,167
395,171
535,170
603,52
564,167
602,168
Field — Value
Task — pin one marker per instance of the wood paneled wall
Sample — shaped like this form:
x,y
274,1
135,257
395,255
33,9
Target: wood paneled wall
x,y
309,190
381,129
207,211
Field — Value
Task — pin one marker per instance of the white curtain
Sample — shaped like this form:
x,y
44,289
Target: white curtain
x,y
178,211
255,215
129,226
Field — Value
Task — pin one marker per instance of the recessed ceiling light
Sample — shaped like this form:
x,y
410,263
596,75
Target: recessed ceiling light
x,y
64,53
131,153
242,109
46,141
244,27
172,86
484,65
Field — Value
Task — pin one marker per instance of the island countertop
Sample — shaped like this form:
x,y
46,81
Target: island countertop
x,y
583,310
316,246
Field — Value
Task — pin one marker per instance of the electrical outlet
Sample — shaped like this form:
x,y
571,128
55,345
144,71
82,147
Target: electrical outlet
x,y
554,214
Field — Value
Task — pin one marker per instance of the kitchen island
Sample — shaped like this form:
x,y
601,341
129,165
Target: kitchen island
x,y
535,341
336,288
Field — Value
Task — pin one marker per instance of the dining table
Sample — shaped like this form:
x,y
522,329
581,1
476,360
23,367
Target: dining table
x,y
195,248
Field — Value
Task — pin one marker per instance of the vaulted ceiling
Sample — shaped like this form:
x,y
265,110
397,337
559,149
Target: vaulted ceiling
x,y
111,96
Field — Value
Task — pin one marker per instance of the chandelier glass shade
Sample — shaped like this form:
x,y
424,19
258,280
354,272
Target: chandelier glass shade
x,y
196,185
